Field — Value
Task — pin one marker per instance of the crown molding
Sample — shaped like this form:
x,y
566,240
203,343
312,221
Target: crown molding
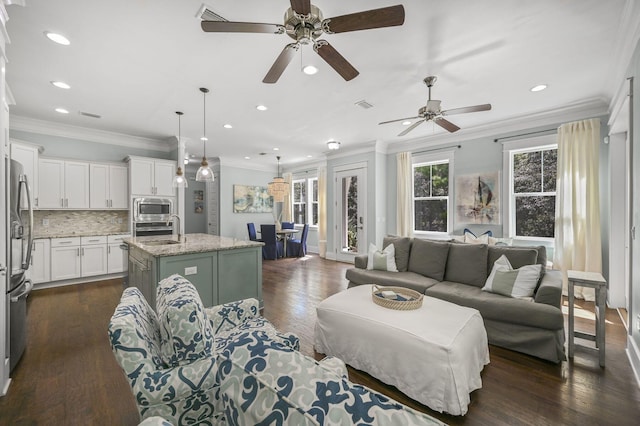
x,y
588,108
626,41
42,127
247,165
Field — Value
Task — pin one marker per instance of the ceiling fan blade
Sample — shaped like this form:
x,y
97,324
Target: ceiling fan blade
x,y
240,27
335,59
302,7
410,128
376,18
281,63
399,119
433,105
475,108
445,124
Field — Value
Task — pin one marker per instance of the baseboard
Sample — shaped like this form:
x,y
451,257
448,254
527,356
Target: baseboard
x,y
82,280
633,353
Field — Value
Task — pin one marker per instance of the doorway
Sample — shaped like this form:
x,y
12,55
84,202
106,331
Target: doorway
x,y
350,217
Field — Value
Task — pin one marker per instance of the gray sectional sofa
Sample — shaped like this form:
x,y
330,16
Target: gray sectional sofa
x,y
456,272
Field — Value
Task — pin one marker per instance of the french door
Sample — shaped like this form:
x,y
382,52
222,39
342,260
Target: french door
x,y
350,214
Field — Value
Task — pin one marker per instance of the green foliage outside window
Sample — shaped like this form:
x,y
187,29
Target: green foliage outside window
x,y
431,197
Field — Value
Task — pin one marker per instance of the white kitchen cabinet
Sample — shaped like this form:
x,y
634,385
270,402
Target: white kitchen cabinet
x,y
150,176
63,184
40,269
27,155
108,186
65,258
117,257
93,256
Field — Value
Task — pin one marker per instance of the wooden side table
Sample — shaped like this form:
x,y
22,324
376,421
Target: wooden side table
x,y
596,281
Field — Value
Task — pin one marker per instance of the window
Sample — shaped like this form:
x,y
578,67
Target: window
x,y
431,196
533,191
305,201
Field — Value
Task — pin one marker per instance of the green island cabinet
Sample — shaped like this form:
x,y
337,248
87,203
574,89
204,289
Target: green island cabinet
x,y
222,269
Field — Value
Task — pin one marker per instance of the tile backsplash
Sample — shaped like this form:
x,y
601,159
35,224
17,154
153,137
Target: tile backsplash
x,y
79,222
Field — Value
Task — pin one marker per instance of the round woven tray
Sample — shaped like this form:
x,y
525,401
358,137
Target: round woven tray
x,y
413,298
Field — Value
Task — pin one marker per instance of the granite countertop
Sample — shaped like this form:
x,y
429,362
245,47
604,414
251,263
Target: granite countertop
x,y
190,243
77,234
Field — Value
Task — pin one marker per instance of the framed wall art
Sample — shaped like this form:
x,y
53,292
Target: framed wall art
x,y
251,199
478,198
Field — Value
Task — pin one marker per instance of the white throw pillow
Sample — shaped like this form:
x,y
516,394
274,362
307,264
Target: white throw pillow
x,y
382,260
518,283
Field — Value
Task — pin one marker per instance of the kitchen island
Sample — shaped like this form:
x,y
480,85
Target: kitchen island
x,y
222,269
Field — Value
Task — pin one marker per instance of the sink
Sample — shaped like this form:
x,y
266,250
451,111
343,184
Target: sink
x,y
160,242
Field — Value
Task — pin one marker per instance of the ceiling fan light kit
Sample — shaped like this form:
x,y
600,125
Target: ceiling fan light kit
x,y
204,173
305,23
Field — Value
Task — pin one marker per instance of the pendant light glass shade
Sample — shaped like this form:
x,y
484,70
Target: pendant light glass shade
x,y
204,173
179,180
278,188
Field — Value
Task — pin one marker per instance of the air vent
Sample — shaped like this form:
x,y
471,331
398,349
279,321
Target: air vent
x,y
206,14
88,114
364,104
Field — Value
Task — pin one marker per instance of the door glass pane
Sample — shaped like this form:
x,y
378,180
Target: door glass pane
x,y
350,214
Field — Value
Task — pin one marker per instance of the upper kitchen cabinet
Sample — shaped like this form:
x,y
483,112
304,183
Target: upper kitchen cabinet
x,y
27,155
63,184
151,176
109,186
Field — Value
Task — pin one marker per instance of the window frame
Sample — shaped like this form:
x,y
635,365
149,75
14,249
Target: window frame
x,y
429,160
308,202
509,150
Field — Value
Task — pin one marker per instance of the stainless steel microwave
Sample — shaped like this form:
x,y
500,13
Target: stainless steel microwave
x,y
152,209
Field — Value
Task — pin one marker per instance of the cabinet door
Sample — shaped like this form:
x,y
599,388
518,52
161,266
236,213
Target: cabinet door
x,y
94,260
99,186
118,187
28,157
65,263
164,172
116,258
40,261
76,187
50,183
142,177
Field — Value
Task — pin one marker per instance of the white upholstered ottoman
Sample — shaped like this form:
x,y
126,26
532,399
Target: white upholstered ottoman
x,y
433,354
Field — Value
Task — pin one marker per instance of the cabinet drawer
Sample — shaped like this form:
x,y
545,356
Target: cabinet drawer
x,y
62,242
100,239
117,238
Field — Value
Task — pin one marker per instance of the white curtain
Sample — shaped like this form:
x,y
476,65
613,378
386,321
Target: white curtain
x,y
287,209
577,230
322,211
404,226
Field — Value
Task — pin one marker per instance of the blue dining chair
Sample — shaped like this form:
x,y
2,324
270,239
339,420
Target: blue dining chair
x,y
288,225
252,232
273,248
298,248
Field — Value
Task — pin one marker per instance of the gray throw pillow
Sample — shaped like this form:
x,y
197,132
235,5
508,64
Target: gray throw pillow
x,y
467,264
429,258
517,256
402,246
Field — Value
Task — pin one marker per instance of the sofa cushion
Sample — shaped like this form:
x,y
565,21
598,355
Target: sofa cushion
x,y
518,256
402,246
499,308
411,280
519,283
467,264
185,329
428,258
382,260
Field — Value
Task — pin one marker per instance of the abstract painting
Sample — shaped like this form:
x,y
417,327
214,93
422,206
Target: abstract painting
x,y
478,198
251,199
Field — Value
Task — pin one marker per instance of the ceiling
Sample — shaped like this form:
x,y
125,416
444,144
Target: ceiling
x,y
135,63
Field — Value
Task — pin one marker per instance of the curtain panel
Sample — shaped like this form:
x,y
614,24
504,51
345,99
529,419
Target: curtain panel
x,y
404,211
322,211
287,205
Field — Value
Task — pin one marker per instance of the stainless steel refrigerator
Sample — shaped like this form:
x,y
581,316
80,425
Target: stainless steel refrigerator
x,y
21,228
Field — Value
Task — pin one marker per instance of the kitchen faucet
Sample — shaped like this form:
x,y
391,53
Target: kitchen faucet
x,y
169,221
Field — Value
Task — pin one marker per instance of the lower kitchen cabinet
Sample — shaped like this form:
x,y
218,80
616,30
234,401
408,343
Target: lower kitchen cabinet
x,y
116,254
93,256
40,269
65,258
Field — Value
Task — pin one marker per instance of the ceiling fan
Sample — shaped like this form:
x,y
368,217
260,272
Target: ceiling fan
x,y
304,23
432,112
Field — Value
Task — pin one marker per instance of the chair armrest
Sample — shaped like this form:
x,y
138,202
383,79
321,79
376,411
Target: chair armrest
x,y
360,261
550,290
230,315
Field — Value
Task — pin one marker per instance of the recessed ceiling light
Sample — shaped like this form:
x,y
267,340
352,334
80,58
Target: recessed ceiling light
x,y
538,88
309,70
57,38
276,149
406,123
261,108
61,84
204,139
247,158
309,156
62,111
228,126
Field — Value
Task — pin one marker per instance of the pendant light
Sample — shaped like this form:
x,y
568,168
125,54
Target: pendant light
x,y
278,188
204,174
179,181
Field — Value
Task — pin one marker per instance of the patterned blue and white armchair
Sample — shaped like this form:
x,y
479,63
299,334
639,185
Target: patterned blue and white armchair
x,y
169,358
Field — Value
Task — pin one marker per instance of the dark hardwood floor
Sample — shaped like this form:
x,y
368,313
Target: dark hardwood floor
x,y
68,375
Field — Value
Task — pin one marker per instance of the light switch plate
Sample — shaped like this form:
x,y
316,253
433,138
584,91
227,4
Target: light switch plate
x,y
192,270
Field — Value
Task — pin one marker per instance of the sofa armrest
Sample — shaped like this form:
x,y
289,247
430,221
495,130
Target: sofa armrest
x,y
230,315
360,261
550,290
